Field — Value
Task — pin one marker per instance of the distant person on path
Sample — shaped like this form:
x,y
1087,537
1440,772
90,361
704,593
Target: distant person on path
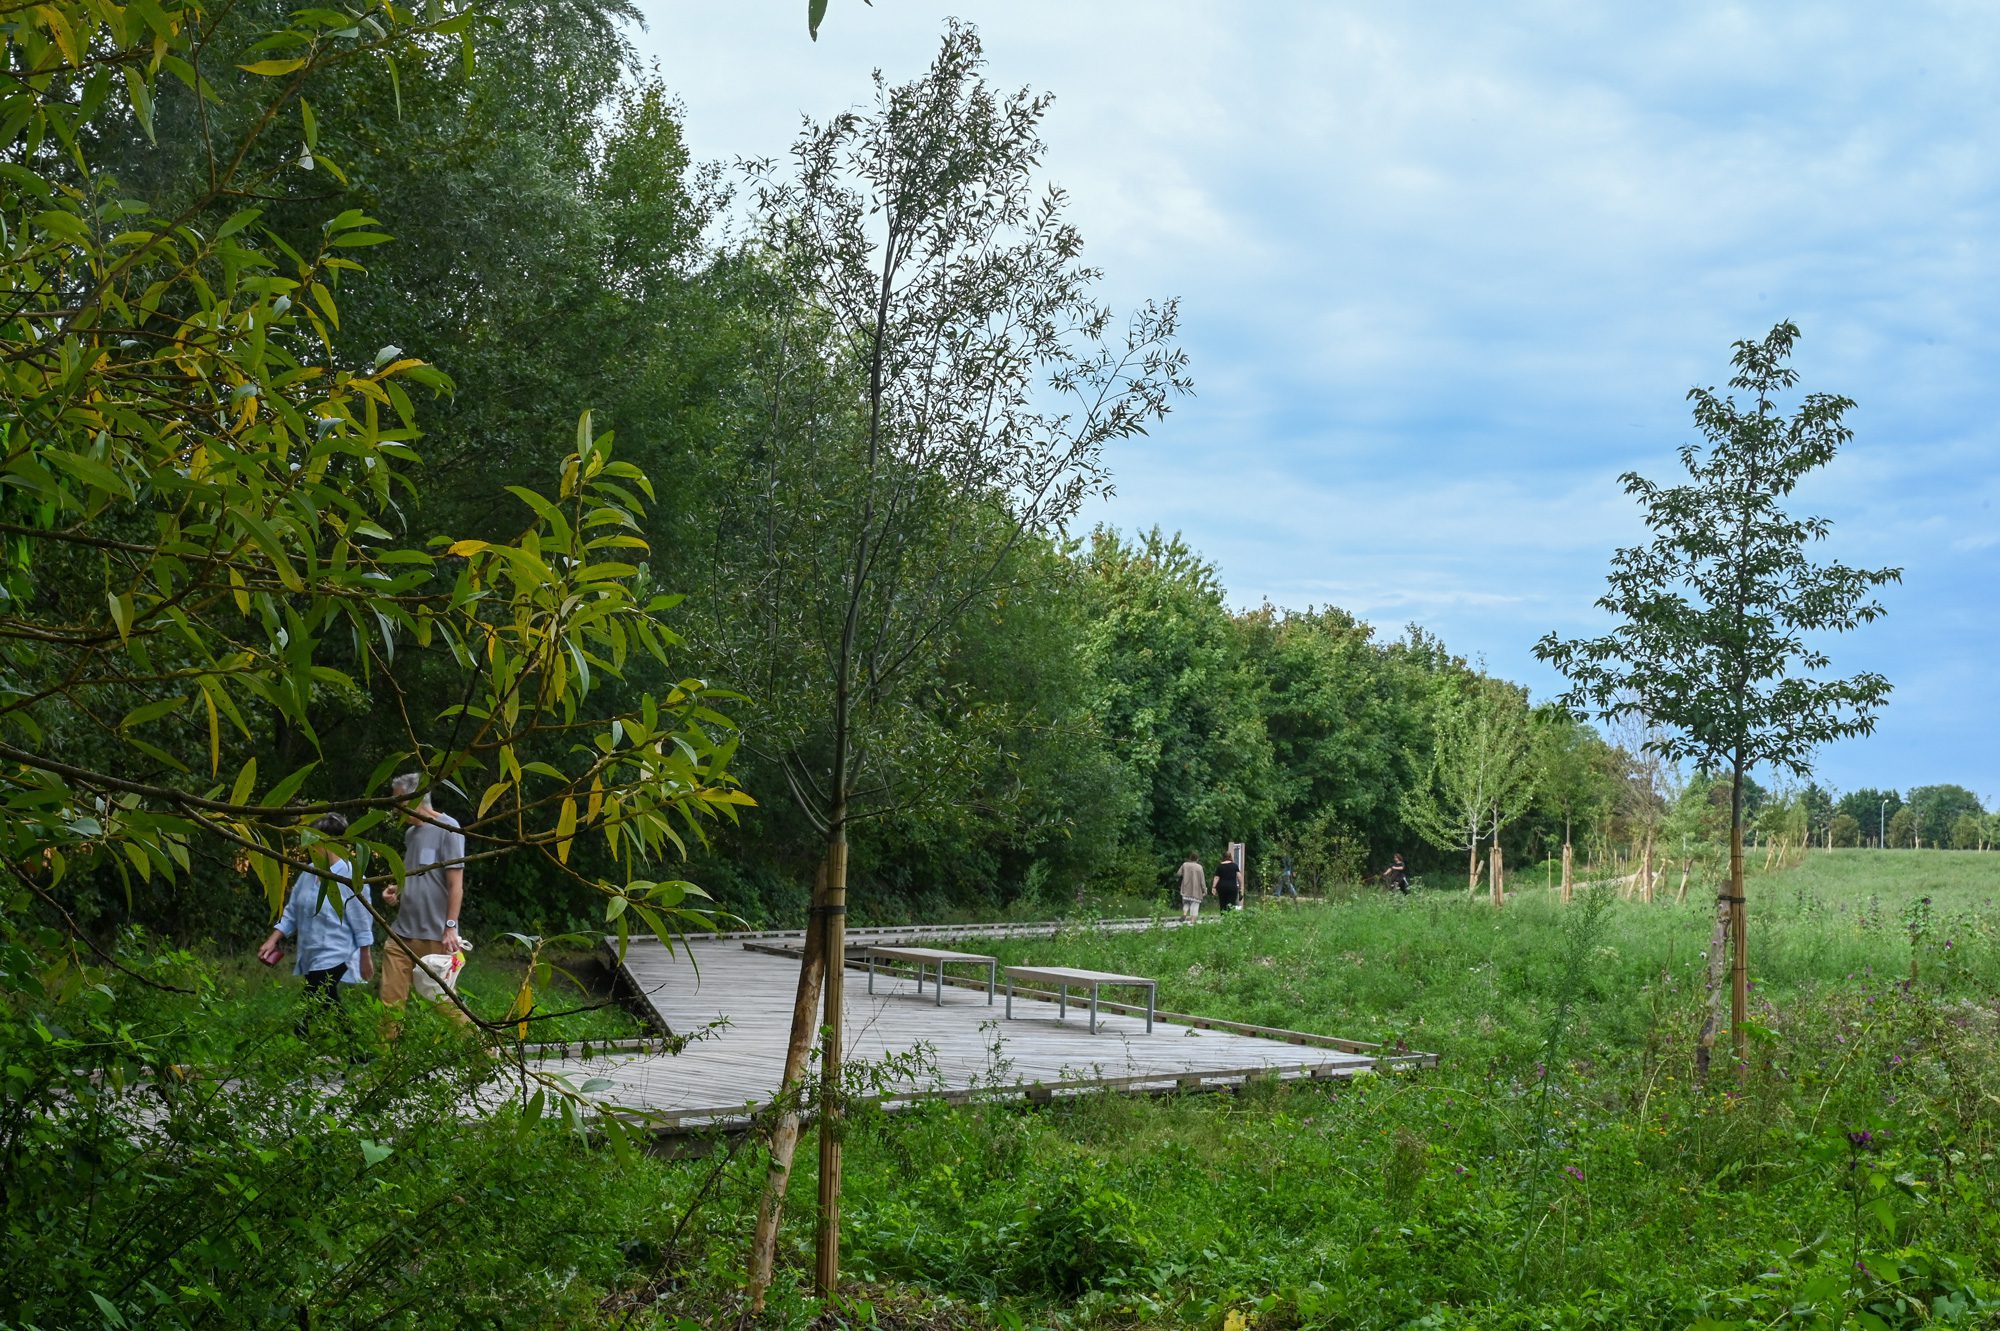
x,y
330,921
1287,883
431,895
1396,877
1227,883
1194,886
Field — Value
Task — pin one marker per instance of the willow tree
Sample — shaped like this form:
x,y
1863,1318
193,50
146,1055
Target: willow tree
x,y
1715,612
200,502
942,388
1481,772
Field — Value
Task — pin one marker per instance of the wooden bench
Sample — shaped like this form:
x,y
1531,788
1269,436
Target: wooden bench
x,y
930,956
1065,978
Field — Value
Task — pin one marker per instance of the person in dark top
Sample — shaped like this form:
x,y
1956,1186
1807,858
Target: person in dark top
x,y
1397,877
1227,882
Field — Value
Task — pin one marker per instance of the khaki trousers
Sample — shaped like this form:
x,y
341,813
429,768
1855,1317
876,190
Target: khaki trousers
x,y
399,964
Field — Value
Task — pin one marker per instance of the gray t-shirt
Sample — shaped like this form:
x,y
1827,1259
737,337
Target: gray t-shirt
x,y
426,847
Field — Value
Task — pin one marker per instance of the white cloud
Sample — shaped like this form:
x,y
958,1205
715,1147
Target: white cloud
x,y
1449,268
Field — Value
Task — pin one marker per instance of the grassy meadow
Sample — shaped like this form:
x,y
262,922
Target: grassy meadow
x,y
1563,1167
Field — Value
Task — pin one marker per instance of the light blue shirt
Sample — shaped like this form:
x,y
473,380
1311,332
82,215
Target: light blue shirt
x,y
331,926
353,975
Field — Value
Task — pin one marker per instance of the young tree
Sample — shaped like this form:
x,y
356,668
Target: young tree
x,y
1480,774
1714,611
943,389
1570,775
1968,832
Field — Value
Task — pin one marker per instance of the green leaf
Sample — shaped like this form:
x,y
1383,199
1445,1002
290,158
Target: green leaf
x,y
246,783
272,68
121,613
237,222
141,95
112,1316
147,713
289,787
374,1153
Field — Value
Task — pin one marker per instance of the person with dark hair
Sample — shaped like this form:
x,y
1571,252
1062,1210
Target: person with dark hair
x,y
1228,881
327,918
1397,878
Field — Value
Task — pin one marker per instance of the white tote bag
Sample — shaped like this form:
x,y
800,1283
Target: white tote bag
x,y
436,973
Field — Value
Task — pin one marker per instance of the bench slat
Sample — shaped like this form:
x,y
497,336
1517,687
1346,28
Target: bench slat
x,y
920,954
1070,975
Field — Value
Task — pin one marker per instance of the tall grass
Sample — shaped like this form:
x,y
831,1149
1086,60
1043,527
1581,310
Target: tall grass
x,y
1561,1168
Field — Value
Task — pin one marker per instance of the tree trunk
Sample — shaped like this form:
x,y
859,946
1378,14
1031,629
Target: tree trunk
x,y
1472,871
1646,872
1568,883
1681,893
1496,875
785,1131
826,1248
1718,952
1739,980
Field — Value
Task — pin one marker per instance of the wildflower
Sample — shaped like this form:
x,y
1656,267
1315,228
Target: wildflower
x,y
1575,1174
1863,1140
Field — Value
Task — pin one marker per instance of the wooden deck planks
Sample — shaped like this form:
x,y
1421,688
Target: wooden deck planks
x,y
963,1046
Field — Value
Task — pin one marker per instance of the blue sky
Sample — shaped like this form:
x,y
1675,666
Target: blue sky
x,y
1447,270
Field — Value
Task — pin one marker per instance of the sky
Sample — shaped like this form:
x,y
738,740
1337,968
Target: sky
x,y
1447,270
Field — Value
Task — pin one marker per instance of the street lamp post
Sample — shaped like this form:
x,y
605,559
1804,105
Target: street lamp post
x,y
1882,828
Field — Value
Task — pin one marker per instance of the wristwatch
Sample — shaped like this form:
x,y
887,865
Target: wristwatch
x,y
451,924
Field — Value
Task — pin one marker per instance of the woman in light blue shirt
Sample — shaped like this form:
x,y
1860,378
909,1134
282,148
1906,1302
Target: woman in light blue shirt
x,y
328,918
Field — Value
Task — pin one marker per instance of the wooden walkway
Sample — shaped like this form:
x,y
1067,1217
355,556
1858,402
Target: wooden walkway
x,y
734,993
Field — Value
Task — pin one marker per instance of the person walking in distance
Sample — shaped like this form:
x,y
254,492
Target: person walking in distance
x,y
1228,881
1194,886
431,894
328,917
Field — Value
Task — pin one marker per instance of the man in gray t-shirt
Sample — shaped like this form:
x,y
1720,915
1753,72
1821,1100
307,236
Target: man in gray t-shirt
x,y
433,888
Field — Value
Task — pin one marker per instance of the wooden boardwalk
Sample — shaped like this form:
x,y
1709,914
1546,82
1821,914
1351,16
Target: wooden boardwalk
x,y
735,994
